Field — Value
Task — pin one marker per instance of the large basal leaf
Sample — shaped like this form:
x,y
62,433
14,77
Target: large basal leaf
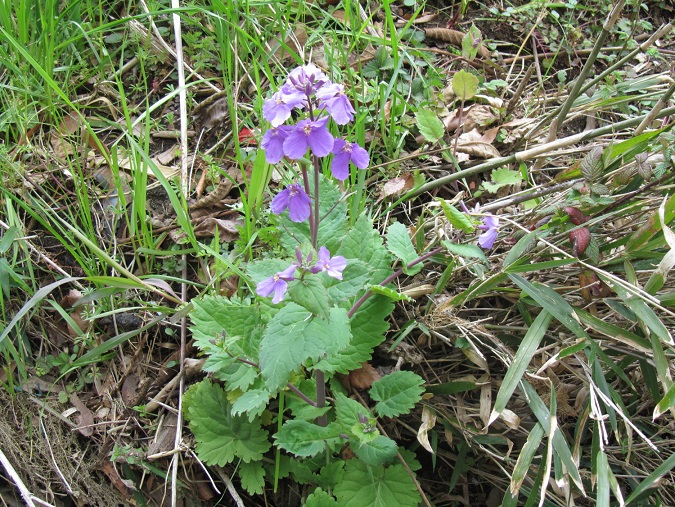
x,y
354,278
293,336
333,215
311,294
368,326
400,244
397,393
306,439
365,243
365,486
222,437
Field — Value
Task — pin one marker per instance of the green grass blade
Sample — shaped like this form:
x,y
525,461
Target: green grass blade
x,y
524,355
652,480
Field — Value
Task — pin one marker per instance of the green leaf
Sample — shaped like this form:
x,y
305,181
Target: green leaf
x,y
347,412
252,402
252,477
240,376
552,302
653,480
522,246
524,355
310,294
397,393
392,294
524,462
364,486
320,499
333,225
456,218
400,244
378,451
467,251
365,243
215,316
465,85
368,326
592,165
293,336
666,403
354,279
221,437
306,439
430,125
502,177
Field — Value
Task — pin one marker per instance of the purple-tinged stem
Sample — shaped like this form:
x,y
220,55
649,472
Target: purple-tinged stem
x,y
391,278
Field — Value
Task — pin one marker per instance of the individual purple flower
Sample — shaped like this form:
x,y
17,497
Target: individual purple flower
x,y
334,100
307,79
277,284
344,153
296,200
490,225
312,134
277,109
333,266
273,143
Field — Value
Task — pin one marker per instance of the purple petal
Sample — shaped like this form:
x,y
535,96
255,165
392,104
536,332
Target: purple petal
x,y
319,138
265,288
324,255
487,239
280,201
360,156
295,145
287,274
340,109
335,267
279,291
273,143
340,166
299,207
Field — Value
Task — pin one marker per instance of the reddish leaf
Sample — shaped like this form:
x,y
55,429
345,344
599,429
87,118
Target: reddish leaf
x,y
247,136
576,216
580,239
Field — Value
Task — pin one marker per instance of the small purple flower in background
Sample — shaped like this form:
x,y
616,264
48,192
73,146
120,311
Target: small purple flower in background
x,y
333,266
277,284
334,100
344,153
273,143
296,200
490,225
312,134
278,109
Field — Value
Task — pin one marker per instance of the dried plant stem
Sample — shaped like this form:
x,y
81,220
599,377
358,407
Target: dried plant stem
x,y
588,66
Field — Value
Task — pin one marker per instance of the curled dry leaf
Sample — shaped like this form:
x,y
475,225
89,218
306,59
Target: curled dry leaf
x,y
85,421
398,186
580,239
454,37
478,149
479,116
68,302
592,287
576,216
360,379
428,422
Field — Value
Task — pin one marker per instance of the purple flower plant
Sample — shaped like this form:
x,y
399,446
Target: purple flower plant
x,y
345,152
334,100
278,109
295,199
276,284
333,266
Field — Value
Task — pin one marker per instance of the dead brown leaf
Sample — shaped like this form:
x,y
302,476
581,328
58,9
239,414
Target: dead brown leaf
x,y
454,37
85,419
398,186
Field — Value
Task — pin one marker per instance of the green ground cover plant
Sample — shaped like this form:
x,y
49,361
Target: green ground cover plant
x,y
350,254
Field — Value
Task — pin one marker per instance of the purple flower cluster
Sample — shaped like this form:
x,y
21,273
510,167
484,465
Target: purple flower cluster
x,y
489,224
309,89
278,283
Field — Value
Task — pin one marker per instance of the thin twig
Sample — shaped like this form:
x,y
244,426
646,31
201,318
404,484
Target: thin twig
x,y
25,494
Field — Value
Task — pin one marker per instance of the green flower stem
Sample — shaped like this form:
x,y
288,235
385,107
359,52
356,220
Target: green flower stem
x,y
391,278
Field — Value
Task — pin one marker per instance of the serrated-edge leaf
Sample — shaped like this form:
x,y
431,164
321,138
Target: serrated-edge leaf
x,y
592,165
430,125
292,337
378,451
520,362
320,498
376,486
310,294
304,438
397,393
252,402
456,218
400,244
252,477
220,436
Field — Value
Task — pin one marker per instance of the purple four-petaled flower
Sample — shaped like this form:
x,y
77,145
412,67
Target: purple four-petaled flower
x,y
295,199
273,143
333,266
345,152
309,134
334,100
278,109
276,284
